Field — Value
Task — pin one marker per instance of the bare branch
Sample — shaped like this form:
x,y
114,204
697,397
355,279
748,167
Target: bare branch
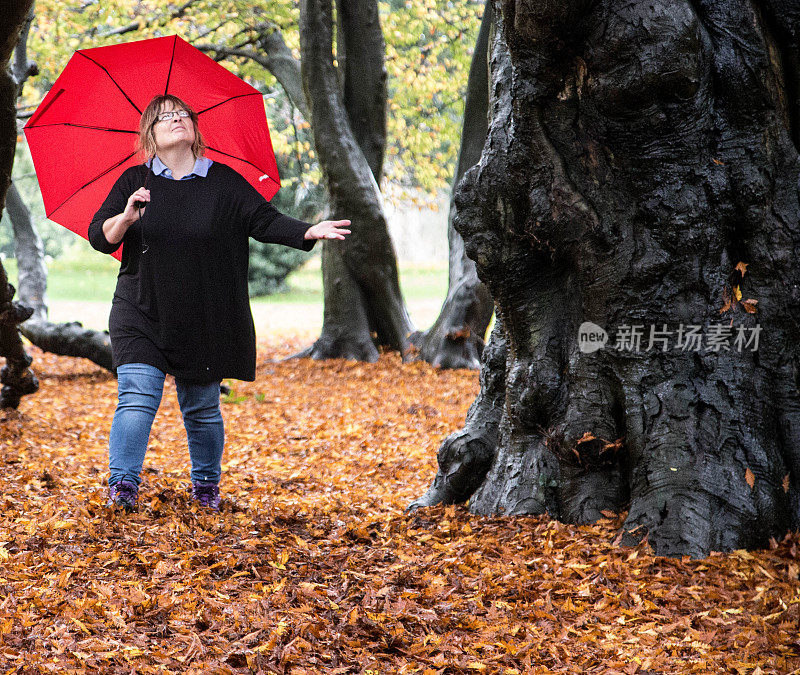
x,y
273,55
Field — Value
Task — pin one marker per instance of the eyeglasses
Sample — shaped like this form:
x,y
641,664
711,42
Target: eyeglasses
x,y
170,114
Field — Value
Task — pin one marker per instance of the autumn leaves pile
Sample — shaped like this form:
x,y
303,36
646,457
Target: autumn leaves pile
x,y
312,565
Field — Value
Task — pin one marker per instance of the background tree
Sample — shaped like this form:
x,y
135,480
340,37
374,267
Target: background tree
x,y
641,168
67,339
363,302
16,377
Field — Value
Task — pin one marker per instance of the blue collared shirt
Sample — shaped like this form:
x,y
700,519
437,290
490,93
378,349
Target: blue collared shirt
x,y
200,169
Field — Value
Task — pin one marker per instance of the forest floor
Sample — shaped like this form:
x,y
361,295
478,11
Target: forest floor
x,y
312,566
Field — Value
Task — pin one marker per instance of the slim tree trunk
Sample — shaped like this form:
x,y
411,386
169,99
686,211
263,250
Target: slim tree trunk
x,y
363,303
637,154
64,339
456,338
29,252
16,377
360,54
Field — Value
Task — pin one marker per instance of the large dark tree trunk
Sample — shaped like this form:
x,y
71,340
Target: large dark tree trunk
x,y
363,303
455,340
16,377
637,153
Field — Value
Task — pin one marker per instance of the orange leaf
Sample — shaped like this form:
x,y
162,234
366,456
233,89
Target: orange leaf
x,y
785,483
741,267
727,299
750,305
750,477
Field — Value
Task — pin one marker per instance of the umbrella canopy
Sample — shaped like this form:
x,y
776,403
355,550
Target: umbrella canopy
x,y
83,134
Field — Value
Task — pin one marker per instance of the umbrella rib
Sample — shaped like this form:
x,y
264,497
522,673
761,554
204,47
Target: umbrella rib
x,y
112,79
171,61
251,93
243,160
82,126
97,177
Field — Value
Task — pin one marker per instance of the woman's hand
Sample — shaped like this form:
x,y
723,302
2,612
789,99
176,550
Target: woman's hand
x,y
135,201
115,227
328,229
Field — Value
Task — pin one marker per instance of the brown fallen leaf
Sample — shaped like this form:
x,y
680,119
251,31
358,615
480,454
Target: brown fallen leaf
x,y
750,305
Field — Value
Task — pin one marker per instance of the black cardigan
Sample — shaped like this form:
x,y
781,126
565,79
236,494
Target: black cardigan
x,y
183,306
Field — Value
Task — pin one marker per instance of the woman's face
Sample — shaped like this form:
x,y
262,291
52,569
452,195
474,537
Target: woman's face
x,y
173,133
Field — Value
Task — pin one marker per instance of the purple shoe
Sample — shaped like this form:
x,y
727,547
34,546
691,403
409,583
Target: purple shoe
x,y
206,494
124,494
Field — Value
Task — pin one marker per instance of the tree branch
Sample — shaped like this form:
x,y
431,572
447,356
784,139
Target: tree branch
x,y
276,57
70,339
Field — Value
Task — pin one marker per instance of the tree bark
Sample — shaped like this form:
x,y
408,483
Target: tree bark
x,y
29,252
70,339
637,153
364,307
360,55
456,338
16,377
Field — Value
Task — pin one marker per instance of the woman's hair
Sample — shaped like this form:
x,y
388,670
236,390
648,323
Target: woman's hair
x,y
147,139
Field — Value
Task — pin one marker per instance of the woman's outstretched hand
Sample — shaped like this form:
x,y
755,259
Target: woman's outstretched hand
x,y
328,229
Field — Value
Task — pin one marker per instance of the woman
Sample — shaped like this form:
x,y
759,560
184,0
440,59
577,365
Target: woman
x,y
181,305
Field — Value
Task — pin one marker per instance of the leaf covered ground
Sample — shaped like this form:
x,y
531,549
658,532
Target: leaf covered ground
x,y
312,565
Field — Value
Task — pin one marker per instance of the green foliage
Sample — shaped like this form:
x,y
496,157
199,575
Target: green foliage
x,y
269,266
429,47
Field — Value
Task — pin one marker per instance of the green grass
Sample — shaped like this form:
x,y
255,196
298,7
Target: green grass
x,y
83,277
76,280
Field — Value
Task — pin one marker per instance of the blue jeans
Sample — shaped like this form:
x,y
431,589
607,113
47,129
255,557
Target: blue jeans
x,y
140,387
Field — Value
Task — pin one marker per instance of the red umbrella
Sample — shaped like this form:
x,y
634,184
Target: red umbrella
x,y
83,134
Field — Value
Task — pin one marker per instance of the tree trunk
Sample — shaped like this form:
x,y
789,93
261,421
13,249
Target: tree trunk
x,y
456,338
363,303
64,339
637,153
67,339
16,377
29,251
360,55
